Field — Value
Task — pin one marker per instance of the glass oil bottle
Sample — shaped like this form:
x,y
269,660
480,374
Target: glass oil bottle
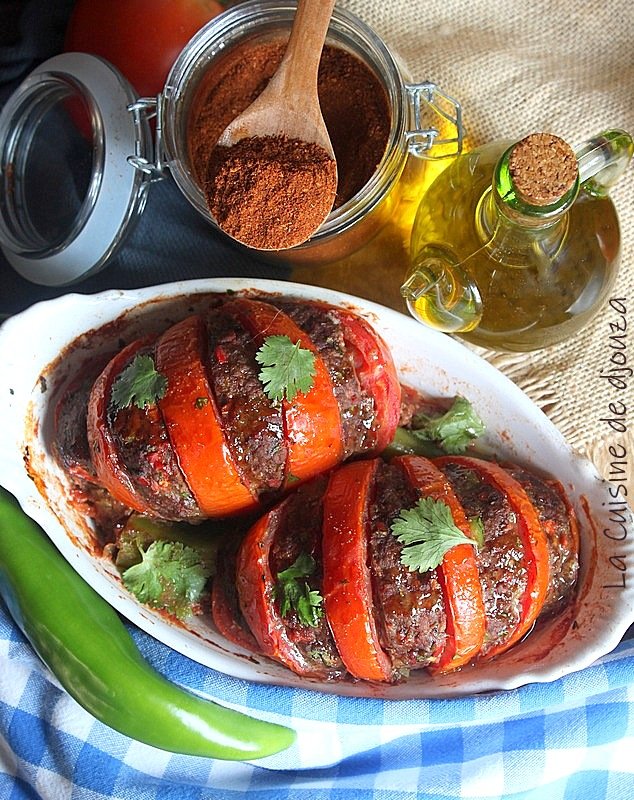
x,y
515,246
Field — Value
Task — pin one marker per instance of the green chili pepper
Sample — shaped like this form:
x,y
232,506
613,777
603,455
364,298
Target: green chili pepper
x,y
88,648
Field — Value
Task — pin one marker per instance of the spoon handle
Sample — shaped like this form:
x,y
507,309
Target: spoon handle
x,y
305,44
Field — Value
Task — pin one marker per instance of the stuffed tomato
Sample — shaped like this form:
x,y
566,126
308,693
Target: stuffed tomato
x,y
225,411
385,567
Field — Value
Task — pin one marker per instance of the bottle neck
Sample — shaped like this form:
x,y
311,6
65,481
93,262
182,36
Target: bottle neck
x,y
514,232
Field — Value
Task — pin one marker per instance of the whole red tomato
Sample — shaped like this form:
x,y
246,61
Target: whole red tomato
x,y
142,38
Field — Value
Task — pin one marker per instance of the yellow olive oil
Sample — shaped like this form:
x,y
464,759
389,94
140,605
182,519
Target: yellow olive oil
x,y
503,280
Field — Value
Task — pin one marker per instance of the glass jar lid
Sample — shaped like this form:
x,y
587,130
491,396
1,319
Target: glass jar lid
x,y
69,191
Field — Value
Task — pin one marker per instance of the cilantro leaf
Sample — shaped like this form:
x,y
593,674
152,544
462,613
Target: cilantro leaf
x,y
139,383
309,608
453,430
303,566
287,368
298,596
428,531
170,576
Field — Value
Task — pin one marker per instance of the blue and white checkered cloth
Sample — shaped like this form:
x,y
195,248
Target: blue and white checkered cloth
x,y
572,739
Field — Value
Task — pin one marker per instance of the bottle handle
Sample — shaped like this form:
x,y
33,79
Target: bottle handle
x,y
439,292
603,159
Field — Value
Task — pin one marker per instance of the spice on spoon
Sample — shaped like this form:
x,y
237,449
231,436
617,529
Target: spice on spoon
x,y
270,192
352,100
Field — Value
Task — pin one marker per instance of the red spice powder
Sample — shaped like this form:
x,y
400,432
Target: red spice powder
x,y
353,103
270,192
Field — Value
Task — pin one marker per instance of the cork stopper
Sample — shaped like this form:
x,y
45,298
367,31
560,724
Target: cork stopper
x,y
543,168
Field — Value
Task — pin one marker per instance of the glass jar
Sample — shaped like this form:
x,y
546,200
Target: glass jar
x,y
424,124
352,224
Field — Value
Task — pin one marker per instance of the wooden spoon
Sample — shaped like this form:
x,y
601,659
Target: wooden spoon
x,y
289,105
287,110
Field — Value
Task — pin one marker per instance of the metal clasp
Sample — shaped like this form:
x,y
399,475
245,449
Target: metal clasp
x,y
143,110
446,137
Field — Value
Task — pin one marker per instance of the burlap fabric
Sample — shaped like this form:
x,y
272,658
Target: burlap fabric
x,y
560,66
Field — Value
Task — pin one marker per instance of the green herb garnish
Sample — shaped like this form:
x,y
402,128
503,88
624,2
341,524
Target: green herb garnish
x,y
454,430
428,532
296,595
287,368
170,576
477,530
140,531
139,383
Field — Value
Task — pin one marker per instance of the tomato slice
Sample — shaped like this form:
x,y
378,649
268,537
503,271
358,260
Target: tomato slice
x,y
536,556
272,544
376,373
312,421
225,607
193,422
110,469
70,419
560,525
347,587
458,574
